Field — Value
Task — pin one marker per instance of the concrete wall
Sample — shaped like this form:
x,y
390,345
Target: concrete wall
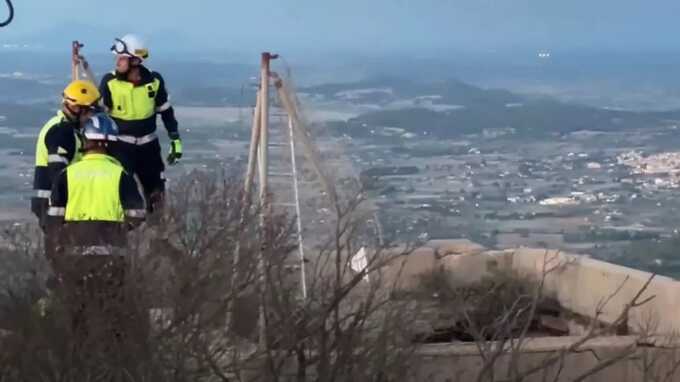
x,y
580,283
406,271
467,261
461,362
585,285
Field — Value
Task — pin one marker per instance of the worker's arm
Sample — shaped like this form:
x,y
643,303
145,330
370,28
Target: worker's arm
x,y
165,109
131,200
61,149
105,92
167,113
58,200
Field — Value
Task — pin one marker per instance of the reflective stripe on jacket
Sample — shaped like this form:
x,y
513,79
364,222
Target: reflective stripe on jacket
x,y
53,152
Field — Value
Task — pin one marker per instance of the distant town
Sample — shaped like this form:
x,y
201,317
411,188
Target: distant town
x,y
570,192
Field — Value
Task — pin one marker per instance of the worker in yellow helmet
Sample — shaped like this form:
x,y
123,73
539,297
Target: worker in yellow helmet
x,y
133,95
58,141
94,203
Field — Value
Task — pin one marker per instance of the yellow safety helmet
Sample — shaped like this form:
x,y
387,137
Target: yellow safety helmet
x,y
81,93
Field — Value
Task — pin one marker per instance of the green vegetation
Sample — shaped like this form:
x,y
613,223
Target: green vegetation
x,y
603,234
449,92
534,118
509,216
390,171
483,109
427,150
661,256
473,309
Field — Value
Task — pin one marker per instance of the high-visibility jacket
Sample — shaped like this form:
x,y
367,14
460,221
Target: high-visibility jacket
x,y
58,145
134,105
92,199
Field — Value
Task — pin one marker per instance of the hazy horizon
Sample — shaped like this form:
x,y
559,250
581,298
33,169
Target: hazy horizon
x,y
426,27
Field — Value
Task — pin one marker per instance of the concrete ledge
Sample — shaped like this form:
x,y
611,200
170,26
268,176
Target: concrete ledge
x,y
580,283
532,345
583,285
456,362
407,270
455,247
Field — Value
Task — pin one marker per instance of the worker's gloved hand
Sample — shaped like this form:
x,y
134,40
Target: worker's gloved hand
x,y
175,151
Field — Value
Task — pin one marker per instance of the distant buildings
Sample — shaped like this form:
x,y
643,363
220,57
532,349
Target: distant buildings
x,y
665,167
559,201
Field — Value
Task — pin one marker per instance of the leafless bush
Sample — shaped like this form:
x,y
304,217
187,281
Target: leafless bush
x,y
190,309
23,269
503,355
658,359
497,316
179,270
481,309
180,292
348,327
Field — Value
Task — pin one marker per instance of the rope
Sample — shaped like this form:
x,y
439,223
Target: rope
x,y
11,14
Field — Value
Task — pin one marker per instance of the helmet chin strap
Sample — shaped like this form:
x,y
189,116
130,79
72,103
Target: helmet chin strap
x,y
72,115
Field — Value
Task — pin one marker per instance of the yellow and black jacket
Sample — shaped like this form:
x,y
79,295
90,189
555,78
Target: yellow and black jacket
x,y
94,202
57,146
134,106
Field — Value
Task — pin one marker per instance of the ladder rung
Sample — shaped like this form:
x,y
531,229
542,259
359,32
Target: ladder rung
x,y
288,174
277,144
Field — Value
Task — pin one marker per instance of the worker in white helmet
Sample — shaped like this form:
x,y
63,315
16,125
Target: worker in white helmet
x,y
133,95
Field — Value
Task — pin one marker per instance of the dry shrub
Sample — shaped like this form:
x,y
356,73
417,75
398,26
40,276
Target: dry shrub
x,y
483,307
184,285
179,270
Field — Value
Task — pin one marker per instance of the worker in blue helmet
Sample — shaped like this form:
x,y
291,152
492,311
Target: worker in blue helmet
x,y
94,203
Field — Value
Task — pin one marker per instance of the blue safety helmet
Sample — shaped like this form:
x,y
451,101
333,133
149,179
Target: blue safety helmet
x,y
100,127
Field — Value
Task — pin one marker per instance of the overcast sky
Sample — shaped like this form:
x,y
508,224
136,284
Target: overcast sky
x,y
360,25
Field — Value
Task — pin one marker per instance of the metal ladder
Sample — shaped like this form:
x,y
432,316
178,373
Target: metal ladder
x,y
287,143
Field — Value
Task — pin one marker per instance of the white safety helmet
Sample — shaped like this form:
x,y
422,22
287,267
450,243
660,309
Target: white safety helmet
x,y
130,45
